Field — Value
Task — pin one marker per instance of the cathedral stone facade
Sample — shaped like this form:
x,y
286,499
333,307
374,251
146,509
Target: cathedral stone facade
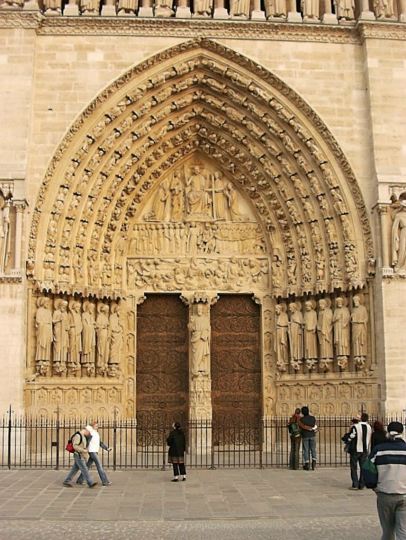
x,y
203,208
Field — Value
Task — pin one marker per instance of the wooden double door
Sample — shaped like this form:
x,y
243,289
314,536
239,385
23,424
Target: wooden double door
x,y
163,365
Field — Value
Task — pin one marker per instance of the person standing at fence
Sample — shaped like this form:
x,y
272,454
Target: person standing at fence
x,y
80,455
94,446
361,435
308,428
294,433
176,454
389,459
378,434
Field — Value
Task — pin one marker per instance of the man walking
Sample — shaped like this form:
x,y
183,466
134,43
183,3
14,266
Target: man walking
x,y
361,436
390,460
93,448
308,429
80,455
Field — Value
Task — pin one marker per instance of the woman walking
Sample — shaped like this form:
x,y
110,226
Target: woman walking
x,y
176,454
93,447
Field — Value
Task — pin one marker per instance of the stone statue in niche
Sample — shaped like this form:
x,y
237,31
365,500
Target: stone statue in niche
x,y
384,9
232,202
88,338
311,10
281,338
60,320
295,335
345,9
240,8
199,327
197,199
359,327
275,8
116,341
177,200
102,335
160,205
52,7
75,337
44,337
203,8
220,197
90,7
325,334
399,238
341,327
163,8
310,335
5,244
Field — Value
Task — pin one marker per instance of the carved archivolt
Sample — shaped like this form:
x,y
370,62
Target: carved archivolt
x,y
198,99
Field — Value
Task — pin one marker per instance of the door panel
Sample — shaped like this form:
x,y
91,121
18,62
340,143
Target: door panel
x,y
162,361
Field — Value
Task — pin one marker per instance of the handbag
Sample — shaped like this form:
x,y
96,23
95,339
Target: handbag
x,y
370,474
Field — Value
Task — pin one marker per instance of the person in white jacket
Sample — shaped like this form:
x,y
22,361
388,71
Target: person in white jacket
x,y
93,448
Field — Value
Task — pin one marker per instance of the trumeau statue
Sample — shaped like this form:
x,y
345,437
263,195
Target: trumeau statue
x,y
281,339
341,327
399,239
310,336
60,320
44,337
359,322
200,342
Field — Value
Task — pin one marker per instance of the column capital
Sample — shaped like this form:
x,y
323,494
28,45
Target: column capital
x,y
138,298
261,297
196,297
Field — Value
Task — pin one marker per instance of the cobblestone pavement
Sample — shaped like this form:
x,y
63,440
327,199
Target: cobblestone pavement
x,y
228,504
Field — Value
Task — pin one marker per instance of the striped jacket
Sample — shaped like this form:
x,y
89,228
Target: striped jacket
x,y
361,432
390,460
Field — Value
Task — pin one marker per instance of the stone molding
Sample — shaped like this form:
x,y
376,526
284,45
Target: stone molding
x,y
354,32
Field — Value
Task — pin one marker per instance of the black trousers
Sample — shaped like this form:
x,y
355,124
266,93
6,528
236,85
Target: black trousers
x,y
294,452
178,468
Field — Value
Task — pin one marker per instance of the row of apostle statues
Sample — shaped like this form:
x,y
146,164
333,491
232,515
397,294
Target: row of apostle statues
x,y
317,333
75,338
310,10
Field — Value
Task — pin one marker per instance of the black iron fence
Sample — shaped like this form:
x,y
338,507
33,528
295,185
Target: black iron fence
x,y
27,442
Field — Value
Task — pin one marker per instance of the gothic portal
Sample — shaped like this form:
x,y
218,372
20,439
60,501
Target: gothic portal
x,y
198,210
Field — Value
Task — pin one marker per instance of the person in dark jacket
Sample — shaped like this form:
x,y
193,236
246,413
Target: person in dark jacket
x,y
308,428
176,454
389,483
378,434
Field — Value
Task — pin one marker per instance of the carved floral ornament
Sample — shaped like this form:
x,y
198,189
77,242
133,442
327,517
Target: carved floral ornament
x,y
199,101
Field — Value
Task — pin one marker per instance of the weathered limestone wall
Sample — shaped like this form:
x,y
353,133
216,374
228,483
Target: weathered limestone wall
x,y
386,83
45,82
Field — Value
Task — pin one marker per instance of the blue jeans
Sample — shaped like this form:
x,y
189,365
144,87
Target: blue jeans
x,y
94,458
309,447
79,465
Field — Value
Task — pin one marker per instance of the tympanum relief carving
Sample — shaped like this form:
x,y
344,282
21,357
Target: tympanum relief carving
x,y
197,232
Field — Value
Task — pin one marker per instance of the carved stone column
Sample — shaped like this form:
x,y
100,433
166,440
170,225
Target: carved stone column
x,y
200,406
109,9
183,10
268,368
366,13
402,10
383,211
220,11
257,14
146,9
71,9
328,16
293,14
135,301
20,207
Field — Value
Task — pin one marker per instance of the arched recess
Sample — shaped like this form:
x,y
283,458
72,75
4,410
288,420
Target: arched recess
x,y
199,101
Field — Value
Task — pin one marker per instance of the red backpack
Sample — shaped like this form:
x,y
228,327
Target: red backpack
x,y
69,445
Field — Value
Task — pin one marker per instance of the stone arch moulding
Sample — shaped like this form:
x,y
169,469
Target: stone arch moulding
x,y
202,99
